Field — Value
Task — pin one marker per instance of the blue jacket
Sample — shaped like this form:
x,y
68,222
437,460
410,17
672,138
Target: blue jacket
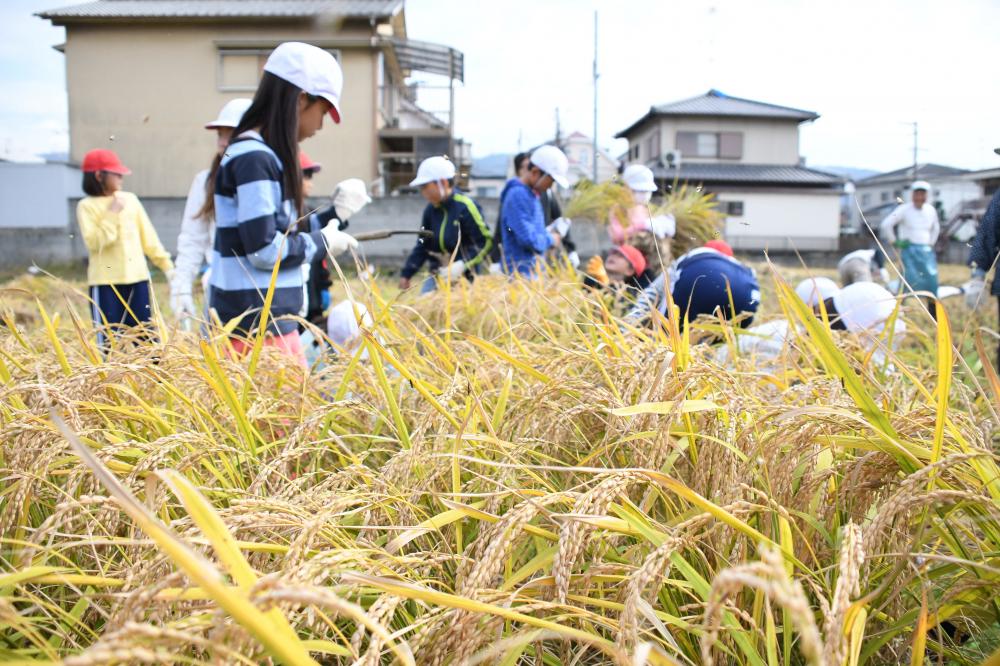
x,y
252,218
523,229
456,223
986,244
702,281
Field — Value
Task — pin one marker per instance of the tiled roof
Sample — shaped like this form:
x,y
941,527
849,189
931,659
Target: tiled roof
x,y
716,103
929,171
719,104
119,9
755,174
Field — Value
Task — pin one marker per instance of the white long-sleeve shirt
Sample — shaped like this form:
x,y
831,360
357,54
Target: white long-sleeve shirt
x,y
917,225
194,244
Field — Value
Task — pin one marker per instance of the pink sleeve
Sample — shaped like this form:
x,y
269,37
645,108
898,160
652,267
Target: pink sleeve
x,y
615,230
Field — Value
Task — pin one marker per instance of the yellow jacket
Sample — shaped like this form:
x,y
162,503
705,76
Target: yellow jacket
x,y
118,241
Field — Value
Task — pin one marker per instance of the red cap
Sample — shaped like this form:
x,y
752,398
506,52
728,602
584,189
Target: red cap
x,y
633,256
307,164
720,246
103,159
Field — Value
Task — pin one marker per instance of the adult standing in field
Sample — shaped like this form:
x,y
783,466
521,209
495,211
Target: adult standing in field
x,y
983,256
259,198
913,228
459,238
194,243
119,237
523,230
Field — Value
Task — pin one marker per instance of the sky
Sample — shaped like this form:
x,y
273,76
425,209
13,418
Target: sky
x,y
870,68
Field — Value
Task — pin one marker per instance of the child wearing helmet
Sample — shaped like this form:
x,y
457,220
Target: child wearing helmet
x,y
525,236
460,239
194,243
636,226
259,199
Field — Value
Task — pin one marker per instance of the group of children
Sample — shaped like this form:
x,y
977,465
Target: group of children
x,y
248,208
245,216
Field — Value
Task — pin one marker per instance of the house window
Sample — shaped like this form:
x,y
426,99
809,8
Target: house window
x,y
724,145
653,145
885,196
731,208
486,192
866,200
239,70
634,152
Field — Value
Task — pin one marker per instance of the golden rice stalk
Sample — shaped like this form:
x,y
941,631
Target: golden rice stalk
x,y
697,215
596,201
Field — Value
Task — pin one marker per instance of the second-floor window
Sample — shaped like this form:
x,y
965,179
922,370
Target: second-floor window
x,y
239,69
719,145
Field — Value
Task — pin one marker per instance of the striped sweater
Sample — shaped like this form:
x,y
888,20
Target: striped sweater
x,y
252,220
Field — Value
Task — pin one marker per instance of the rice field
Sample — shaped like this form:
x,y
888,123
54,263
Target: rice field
x,y
510,478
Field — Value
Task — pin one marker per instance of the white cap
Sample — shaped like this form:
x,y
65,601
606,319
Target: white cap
x,y
342,324
920,185
552,161
310,69
432,170
230,114
639,178
864,306
814,290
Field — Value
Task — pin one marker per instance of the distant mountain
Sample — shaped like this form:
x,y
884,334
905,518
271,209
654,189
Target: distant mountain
x,y
55,157
852,173
491,166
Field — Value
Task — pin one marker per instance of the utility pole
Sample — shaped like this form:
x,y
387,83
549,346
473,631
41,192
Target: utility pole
x,y
914,150
558,131
596,75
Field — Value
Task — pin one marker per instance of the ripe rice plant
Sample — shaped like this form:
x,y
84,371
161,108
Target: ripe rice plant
x,y
510,478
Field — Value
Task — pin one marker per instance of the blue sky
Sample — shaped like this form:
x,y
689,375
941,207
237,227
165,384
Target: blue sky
x,y
868,67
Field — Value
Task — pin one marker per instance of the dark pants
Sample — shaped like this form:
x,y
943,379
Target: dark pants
x,y
119,306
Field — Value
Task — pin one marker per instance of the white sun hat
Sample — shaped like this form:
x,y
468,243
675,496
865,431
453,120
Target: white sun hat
x,y
310,69
552,161
814,290
864,306
342,325
432,170
639,178
230,114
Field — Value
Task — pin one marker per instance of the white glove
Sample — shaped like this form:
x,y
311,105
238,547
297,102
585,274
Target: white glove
x,y
182,304
306,270
349,197
560,226
337,242
883,273
974,291
454,270
663,226
574,259
496,268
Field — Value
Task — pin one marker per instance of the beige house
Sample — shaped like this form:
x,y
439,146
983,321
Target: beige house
x,y
143,76
747,154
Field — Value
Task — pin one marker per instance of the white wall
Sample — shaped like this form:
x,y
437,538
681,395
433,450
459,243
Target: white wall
x,y
36,195
764,141
780,220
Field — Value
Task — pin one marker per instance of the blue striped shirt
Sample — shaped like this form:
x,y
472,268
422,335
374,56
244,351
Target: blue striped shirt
x,y
252,220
